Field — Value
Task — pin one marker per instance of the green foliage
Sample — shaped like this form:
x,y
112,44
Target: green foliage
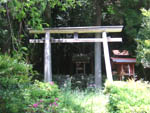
x,y
18,15
32,10
41,97
12,66
10,93
15,81
29,98
18,94
144,32
127,12
143,40
128,97
14,76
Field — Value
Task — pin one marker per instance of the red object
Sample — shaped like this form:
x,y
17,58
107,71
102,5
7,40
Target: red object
x,y
123,66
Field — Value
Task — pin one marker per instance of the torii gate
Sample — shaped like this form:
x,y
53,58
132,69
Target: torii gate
x,y
76,30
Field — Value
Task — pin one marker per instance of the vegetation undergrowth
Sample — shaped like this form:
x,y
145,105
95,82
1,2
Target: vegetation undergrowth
x,y
79,101
20,94
128,97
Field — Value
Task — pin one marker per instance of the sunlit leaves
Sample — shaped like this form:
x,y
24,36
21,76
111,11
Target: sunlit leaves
x,y
3,1
145,12
143,40
110,9
147,43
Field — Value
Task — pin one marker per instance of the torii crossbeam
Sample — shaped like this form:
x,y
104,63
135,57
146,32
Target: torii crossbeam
x,y
76,30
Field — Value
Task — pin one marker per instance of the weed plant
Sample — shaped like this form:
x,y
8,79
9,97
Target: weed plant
x,y
79,101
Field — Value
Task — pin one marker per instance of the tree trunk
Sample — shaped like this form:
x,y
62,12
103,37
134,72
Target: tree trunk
x,y
48,16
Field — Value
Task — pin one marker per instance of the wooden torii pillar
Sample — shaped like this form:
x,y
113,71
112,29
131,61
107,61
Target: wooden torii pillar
x,y
76,30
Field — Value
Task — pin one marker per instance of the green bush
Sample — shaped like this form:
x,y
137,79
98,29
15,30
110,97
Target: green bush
x,y
14,76
18,94
29,98
11,66
128,97
41,97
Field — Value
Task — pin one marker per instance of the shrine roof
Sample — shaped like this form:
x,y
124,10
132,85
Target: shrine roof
x,y
120,53
123,60
80,58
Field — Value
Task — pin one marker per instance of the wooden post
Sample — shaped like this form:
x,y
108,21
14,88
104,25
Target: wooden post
x,y
47,59
133,71
107,57
75,35
129,70
98,69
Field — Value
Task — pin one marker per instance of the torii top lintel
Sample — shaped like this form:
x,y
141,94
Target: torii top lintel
x,y
71,30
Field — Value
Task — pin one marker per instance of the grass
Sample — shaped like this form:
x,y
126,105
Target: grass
x,y
76,101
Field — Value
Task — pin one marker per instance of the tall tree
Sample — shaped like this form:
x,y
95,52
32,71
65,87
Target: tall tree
x,y
17,14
